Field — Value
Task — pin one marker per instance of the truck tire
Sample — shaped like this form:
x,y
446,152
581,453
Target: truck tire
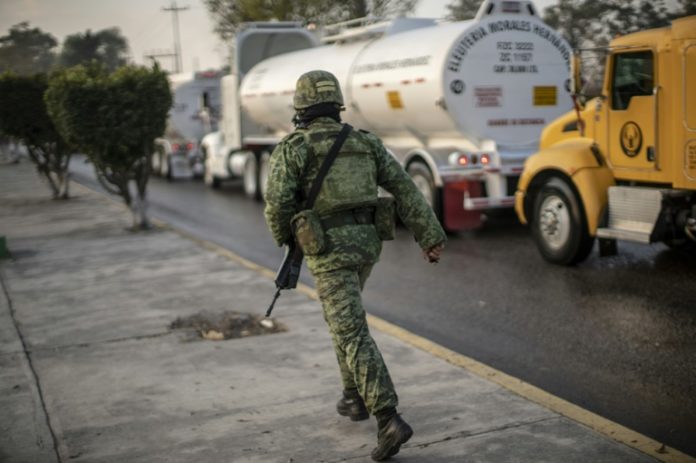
x,y
559,226
251,177
167,169
424,181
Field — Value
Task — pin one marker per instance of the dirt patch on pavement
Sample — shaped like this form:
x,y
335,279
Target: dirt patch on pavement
x,y
227,325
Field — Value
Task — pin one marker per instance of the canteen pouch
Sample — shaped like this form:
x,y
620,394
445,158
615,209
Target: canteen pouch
x,y
308,232
385,218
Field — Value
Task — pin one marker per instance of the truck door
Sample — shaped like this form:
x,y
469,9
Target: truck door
x,y
689,111
632,111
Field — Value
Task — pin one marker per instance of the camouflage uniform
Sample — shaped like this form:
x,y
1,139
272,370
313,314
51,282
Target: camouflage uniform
x,y
340,271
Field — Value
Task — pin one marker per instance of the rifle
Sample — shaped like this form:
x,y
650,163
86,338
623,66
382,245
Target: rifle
x,y
288,273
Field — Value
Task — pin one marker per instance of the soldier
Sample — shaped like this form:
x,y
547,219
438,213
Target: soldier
x,y
345,207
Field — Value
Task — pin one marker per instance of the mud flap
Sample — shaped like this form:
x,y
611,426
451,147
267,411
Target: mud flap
x,y
455,217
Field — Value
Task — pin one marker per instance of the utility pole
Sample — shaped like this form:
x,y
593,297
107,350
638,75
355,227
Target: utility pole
x,y
175,27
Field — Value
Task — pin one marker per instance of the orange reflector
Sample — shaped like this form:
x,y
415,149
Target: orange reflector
x,y
394,99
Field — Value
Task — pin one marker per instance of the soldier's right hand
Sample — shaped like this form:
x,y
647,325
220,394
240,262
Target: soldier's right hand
x,y
432,255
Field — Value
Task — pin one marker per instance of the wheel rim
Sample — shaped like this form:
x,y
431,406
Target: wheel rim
x,y
423,185
250,178
554,222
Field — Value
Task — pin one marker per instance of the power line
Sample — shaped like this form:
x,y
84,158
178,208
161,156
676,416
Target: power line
x,y
175,26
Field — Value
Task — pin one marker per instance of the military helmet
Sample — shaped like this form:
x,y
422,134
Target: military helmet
x,y
316,87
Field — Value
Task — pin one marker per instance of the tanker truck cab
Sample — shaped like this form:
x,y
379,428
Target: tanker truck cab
x,y
242,146
625,169
194,113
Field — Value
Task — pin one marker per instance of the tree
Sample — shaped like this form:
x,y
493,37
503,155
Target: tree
x,y
23,117
230,14
594,23
26,50
461,10
686,8
107,47
114,119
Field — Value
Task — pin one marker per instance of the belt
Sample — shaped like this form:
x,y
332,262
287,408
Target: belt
x,y
358,216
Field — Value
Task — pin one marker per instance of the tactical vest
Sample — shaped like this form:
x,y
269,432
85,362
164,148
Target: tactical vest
x,y
352,179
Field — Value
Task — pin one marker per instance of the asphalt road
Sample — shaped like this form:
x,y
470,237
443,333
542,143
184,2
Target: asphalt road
x,y
615,335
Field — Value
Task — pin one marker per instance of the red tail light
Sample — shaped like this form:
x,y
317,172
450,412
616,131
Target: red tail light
x,y
175,147
485,159
189,146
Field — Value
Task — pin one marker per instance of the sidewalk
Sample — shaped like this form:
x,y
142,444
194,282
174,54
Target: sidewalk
x,y
94,302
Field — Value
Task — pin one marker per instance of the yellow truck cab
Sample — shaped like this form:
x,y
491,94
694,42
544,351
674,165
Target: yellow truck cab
x,y
622,167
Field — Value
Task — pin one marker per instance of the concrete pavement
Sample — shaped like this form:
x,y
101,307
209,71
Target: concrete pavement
x,y
91,371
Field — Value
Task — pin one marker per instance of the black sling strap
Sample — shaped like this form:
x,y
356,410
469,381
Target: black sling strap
x,y
326,165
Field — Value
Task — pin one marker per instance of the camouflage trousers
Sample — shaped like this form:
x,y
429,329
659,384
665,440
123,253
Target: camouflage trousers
x,y
359,359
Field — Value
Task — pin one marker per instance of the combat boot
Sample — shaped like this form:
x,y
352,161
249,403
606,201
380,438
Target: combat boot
x,y
392,434
352,406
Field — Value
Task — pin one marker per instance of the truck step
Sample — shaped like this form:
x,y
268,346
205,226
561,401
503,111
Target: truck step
x,y
633,213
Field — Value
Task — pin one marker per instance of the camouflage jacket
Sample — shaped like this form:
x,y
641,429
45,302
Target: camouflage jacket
x,y
362,165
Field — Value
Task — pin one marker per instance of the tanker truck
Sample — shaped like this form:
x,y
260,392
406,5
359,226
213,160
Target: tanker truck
x,y
193,115
623,166
460,104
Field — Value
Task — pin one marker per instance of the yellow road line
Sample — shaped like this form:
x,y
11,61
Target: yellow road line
x,y
593,421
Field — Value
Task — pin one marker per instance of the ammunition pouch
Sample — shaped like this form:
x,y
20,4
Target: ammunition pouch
x,y
309,232
385,218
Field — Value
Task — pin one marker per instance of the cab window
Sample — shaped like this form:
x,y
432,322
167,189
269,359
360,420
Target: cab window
x,y
633,76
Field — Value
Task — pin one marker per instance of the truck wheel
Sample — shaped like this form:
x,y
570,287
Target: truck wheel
x,y
251,177
264,169
424,181
559,225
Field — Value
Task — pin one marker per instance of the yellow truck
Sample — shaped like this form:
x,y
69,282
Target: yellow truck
x,y
623,165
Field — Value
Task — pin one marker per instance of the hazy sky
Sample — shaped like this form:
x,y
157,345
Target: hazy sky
x,y
146,26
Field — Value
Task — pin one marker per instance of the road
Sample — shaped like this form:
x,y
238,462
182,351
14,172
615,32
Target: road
x,y
615,335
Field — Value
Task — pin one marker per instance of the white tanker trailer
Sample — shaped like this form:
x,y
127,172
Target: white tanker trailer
x,y
460,104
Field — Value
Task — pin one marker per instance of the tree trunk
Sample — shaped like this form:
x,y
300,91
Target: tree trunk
x,y
63,185
138,208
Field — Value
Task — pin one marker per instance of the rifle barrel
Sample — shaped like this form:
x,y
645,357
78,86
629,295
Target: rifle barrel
x,y
275,298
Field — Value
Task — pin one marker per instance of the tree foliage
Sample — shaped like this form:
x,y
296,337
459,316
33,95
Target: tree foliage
x,y
107,47
26,50
230,14
23,117
114,119
461,10
593,23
